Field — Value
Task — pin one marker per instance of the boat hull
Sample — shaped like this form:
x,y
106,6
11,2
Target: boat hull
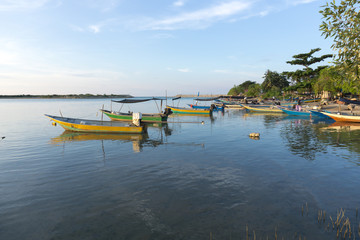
x,y
128,117
259,109
85,125
217,108
190,110
343,118
296,113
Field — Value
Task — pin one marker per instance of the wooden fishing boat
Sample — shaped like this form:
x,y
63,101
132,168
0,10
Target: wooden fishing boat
x,y
311,100
85,125
216,108
146,117
317,113
272,109
343,117
127,116
349,101
295,112
190,110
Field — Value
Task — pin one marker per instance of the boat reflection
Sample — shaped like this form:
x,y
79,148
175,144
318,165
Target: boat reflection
x,y
69,136
342,126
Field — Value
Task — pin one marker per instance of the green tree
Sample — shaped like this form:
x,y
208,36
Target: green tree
x,y
273,79
242,88
307,74
331,79
342,23
253,90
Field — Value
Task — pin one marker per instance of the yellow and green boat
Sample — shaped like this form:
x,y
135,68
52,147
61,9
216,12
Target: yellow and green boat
x,y
146,117
95,126
181,110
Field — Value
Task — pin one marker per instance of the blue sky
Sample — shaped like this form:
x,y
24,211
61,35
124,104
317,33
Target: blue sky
x,y
148,48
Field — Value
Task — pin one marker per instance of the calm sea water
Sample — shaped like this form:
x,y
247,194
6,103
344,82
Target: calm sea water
x,y
182,180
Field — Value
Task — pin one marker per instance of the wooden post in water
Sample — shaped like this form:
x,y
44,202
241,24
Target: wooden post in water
x,y
102,112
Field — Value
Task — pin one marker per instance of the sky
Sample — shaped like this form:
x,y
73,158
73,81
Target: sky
x,y
151,48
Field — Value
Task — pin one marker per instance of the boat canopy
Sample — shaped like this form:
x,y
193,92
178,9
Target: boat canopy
x,y
131,100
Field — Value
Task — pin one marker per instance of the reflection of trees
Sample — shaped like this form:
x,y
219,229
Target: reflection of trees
x,y
270,118
341,135
302,138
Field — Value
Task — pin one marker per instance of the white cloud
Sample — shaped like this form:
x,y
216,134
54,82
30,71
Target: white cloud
x,y
184,70
179,3
200,18
298,2
95,28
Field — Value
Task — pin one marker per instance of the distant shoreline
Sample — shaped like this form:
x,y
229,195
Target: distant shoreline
x,y
66,96
92,96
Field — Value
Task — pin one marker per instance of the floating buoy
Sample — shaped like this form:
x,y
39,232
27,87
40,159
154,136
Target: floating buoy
x,y
254,135
54,124
202,122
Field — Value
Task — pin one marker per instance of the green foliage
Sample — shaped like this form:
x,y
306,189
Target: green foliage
x,y
342,23
273,92
234,91
242,88
331,79
305,60
254,90
273,79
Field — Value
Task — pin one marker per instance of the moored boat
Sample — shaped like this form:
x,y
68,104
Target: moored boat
x,y
190,110
343,117
127,116
146,117
318,113
272,109
95,126
216,108
296,112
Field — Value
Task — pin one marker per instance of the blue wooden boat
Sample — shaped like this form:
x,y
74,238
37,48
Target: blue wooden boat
x,y
319,114
215,108
295,112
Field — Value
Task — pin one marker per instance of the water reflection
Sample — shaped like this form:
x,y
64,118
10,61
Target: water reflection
x,y
68,136
301,138
342,126
342,135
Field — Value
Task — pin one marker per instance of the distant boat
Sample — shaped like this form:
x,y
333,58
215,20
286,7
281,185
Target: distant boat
x,y
311,100
190,110
95,126
127,116
342,117
215,107
349,101
271,109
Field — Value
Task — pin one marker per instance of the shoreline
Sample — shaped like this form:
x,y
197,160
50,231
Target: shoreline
x,y
64,96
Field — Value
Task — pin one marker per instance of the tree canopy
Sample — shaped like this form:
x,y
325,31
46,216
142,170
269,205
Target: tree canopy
x,y
306,60
342,23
